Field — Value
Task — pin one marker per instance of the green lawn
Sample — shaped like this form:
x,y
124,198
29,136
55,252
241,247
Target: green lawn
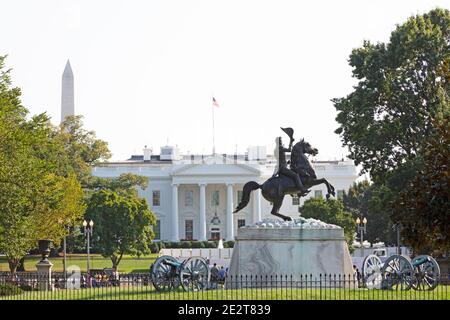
x,y
127,265
148,293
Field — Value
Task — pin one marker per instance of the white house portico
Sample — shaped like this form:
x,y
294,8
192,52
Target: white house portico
x,y
193,197
216,187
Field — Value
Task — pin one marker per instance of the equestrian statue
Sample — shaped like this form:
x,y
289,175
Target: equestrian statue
x,y
287,181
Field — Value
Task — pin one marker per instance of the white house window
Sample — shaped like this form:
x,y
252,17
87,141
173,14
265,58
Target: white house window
x,y
340,194
156,198
215,234
189,198
317,193
189,229
215,198
241,223
157,230
239,196
295,200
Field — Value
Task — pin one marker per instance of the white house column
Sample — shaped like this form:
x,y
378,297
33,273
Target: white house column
x,y
175,236
256,205
202,224
230,229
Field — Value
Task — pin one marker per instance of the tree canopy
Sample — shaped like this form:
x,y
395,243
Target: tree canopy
x,y
402,86
423,207
330,211
370,201
387,122
123,224
41,171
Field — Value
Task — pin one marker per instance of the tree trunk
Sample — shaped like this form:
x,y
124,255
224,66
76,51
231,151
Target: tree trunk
x,y
13,264
116,260
21,266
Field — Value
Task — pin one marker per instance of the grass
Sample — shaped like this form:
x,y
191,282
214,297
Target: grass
x,y
128,264
148,293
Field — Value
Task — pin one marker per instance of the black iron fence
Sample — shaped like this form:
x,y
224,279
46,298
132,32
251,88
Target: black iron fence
x,y
137,286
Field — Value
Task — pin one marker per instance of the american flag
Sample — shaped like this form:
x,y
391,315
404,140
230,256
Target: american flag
x,y
215,103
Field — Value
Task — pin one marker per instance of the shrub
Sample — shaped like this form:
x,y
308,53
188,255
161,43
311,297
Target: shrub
x,y
196,244
9,289
210,244
154,247
228,244
186,244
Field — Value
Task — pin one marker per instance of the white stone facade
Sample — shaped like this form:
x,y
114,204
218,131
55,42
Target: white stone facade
x,y
183,193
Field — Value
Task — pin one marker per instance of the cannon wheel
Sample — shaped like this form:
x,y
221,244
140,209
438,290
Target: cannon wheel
x,y
427,274
371,272
398,273
194,274
164,277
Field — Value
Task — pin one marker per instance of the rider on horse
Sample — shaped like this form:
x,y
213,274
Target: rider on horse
x,y
282,169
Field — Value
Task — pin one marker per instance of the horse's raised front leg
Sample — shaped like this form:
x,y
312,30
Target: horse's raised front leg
x,y
276,207
330,188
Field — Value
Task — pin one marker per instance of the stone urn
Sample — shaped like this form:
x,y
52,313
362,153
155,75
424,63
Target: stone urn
x,y
44,248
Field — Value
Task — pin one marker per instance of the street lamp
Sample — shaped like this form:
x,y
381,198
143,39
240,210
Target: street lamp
x,y
88,232
361,228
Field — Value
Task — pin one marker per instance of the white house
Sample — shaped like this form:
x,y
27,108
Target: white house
x,y
194,196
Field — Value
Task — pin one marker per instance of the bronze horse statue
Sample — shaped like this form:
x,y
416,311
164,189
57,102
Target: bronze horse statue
x,y
275,188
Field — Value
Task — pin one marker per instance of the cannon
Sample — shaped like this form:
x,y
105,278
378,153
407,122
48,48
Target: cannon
x,y
400,273
167,273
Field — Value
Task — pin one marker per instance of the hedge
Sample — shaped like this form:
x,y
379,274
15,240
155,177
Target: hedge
x,y
9,289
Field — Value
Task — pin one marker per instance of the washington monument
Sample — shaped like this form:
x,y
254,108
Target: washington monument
x,y
67,93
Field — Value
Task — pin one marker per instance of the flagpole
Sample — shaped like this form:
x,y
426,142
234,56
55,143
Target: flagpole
x,y
214,132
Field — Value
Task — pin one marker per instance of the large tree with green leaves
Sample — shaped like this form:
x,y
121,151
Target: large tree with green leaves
x,y
84,148
402,86
364,199
35,200
123,224
330,211
423,207
402,91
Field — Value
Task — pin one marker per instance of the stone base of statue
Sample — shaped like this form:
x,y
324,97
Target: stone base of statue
x,y
303,253
44,273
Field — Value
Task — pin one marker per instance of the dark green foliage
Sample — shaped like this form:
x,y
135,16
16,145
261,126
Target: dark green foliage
x,y
9,289
402,86
372,201
228,244
186,244
423,207
390,123
122,224
197,245
154,247
330,211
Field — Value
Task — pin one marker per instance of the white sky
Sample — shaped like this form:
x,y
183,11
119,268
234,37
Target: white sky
x,y
145,71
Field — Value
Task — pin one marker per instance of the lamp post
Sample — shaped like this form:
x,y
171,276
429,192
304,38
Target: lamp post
x,y
88,232
399,250
361,229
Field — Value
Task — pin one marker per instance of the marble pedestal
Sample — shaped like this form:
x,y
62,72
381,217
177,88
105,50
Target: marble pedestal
x,y
299,256
44,273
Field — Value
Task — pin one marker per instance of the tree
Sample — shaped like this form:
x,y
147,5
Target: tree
x,y
402,86
372,202
122,224
403,89
84,148
125,183
423,207
35,201
330,211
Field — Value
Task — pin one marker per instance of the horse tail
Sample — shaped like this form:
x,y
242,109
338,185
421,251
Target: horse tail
x,y
248,188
